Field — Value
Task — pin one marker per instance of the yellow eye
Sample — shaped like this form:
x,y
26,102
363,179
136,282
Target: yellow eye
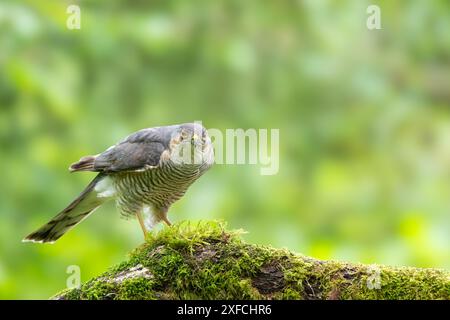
x,y
183,136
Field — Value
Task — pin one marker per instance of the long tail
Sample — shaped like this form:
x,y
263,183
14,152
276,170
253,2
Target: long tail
x,y
80,208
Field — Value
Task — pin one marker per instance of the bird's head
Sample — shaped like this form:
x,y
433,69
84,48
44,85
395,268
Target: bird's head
x,y
190,144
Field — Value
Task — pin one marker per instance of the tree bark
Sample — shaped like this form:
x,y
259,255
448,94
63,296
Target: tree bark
x,y
205,261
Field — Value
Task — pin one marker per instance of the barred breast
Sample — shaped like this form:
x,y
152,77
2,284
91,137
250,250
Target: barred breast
x,y
156,187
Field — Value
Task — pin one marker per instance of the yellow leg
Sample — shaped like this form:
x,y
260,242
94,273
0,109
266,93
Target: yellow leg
x,y
164,218
141,222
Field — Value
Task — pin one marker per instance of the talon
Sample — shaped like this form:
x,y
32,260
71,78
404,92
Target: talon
x,y
167,221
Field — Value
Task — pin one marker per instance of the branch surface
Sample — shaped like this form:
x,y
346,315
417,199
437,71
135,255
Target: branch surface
x,y
205,261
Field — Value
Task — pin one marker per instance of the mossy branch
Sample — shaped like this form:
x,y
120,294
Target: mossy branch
x,y
205,261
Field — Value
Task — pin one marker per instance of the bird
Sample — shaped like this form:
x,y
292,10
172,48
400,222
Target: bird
x,y
145,173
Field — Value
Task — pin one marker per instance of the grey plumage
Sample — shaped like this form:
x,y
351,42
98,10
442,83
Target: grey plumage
x,y
146,172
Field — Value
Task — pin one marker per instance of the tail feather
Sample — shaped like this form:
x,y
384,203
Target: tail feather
x,y
84,164
75,212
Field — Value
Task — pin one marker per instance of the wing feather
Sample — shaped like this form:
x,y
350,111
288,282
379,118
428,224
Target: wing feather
x,y
129,157
139,151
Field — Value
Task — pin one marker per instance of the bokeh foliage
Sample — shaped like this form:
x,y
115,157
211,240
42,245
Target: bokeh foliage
x,y
363,115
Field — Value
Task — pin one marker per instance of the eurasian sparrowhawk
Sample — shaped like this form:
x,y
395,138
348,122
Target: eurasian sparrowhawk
x,y
145,173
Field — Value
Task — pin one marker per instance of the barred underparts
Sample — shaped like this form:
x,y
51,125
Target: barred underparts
x,y
156,188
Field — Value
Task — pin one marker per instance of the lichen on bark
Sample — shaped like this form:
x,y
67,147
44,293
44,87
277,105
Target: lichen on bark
x,y
205,261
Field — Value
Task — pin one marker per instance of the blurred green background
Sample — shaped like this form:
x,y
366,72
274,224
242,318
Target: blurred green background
x,y
363,115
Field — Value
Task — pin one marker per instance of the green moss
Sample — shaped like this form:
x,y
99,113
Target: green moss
x,y
204,261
